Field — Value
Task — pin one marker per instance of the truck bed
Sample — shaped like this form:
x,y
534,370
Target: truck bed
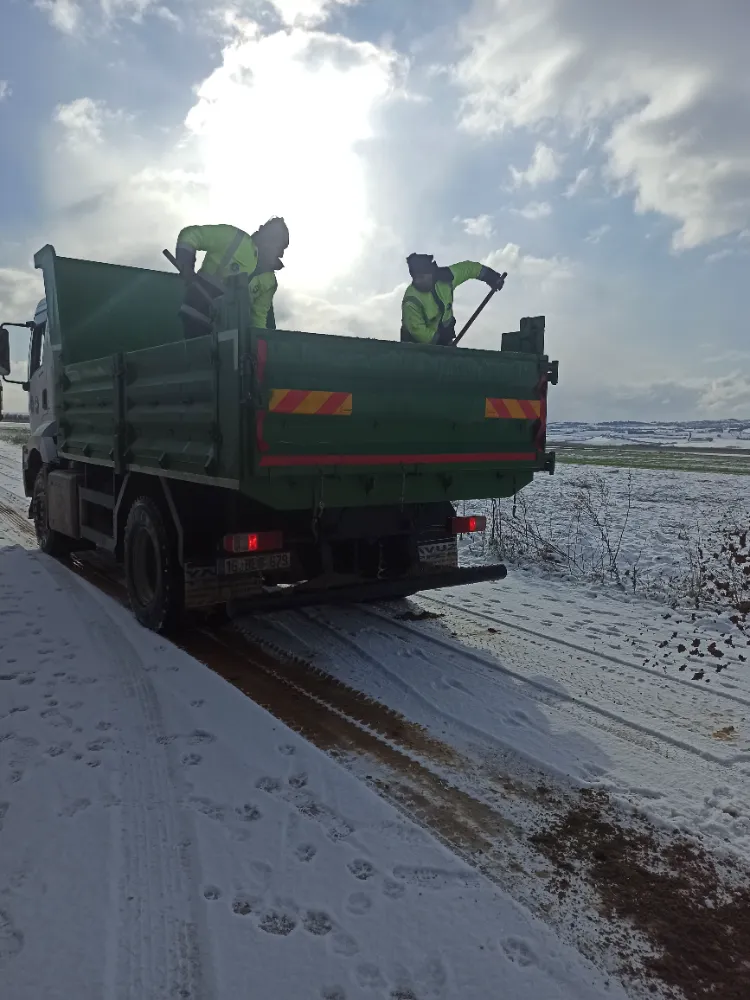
x,y
295,419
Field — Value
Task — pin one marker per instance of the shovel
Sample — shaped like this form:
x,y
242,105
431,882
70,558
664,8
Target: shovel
x,y
479,308
195,279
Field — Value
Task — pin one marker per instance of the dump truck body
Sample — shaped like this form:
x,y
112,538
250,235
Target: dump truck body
x,y
336,459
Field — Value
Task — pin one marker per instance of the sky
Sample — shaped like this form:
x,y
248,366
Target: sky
x,y
597,152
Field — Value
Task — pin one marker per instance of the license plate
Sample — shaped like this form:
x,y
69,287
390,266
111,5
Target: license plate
x,y
253,564
439,555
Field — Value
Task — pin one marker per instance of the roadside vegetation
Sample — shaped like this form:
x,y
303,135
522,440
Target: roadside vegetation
x,y
600,528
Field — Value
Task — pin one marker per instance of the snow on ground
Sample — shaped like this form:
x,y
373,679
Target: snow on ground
x,y
149,808
569,681
659,525
164,836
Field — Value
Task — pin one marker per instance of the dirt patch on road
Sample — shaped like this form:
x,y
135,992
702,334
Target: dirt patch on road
x,y
693,909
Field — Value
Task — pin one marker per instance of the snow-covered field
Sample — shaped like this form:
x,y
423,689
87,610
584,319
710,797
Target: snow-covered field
x,y
702,434
532,789
656,533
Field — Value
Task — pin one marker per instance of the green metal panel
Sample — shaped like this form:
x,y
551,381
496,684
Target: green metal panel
x,y
171,413
87,412
418,412
106,308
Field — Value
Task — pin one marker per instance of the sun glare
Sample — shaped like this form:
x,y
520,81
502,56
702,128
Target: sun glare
x,y
278,125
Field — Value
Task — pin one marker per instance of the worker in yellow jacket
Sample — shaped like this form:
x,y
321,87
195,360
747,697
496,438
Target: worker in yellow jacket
x,y
427,307
229,250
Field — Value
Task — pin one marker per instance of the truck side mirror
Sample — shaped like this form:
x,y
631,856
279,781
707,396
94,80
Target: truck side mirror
x,y
4,352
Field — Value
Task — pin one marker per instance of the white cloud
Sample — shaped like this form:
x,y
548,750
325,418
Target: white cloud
x,y
666,85
307,13
65,15
76,17
479,226
714,258
544,167
595,236
582,179
535,210
5,90
310,99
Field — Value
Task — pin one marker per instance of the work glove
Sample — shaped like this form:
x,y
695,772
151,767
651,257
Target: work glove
x,y
491,277
185,261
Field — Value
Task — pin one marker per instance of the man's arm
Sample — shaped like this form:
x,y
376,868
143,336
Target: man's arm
x,y
261,302
468,269
413,318
197,238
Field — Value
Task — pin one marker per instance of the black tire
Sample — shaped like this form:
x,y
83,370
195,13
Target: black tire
x,y
152,572
51,542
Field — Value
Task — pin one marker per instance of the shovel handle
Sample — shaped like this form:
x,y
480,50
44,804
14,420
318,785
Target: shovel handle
x,y
480,307
192,278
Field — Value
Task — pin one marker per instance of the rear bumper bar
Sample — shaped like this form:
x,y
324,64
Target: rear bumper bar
x,y
308,594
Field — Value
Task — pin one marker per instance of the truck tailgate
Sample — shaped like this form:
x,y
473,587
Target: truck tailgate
x,y
352,403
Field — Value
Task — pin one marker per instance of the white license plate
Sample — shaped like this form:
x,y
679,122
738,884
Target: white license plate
x,y
254,564
439,555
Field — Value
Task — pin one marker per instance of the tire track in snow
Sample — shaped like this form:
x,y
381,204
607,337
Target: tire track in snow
x,y
156,941
488,661
586,650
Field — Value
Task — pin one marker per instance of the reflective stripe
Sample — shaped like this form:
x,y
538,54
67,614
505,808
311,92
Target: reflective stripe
x,y
229,253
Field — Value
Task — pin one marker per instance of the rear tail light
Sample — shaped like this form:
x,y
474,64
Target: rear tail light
x,y
466,525
262,541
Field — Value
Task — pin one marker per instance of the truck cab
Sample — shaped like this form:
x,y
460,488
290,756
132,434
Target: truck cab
x,y
41,447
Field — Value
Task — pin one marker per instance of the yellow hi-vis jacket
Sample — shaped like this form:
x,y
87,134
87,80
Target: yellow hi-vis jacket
x,y
230,250
425,314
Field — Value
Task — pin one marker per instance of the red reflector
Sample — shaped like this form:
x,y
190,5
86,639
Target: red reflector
x,y
263,541
466,525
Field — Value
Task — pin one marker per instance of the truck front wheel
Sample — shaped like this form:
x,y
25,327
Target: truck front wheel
x,y
152,570
51,542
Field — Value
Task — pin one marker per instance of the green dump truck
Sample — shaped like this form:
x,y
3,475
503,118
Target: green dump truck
x,y
267,466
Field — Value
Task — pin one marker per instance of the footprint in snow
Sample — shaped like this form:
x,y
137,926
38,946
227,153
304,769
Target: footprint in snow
x,y
305,852
361,869
344,944
208,808
519,952
11,939
317,922
298,780
370,977
243,905
191,759
332,993
212,892
248,813
358,904
279,922
269,785
287,749
393,890
78,805
199,736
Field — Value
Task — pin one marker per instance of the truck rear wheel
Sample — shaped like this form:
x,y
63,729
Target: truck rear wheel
x,y
51,542
152,570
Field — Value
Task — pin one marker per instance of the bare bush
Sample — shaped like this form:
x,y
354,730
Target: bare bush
x,y
588,533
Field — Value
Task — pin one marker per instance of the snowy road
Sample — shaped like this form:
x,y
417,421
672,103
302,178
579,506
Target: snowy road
x,y
434,798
